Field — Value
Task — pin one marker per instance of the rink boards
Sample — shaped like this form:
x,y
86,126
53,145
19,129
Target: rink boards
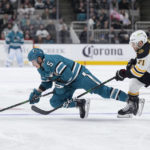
x,y
87,54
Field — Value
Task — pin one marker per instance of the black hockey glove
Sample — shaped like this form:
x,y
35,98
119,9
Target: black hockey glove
x,y
34,96
120,75
131,63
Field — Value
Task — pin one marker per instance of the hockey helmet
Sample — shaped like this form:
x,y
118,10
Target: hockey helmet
x,y
15,28
138,36
35,53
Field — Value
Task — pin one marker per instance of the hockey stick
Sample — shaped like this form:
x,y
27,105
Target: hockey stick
x,y
24,102
43,112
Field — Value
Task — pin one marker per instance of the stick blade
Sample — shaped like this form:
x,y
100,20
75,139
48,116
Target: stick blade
x,y
40,111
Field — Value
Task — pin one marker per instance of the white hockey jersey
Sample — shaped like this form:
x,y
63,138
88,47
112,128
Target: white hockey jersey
x,y
141,70
143,61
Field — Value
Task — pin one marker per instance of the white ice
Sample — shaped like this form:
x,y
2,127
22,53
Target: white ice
x,y
23,129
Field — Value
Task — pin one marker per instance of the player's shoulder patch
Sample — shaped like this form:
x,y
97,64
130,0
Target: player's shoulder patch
x,y
144,51
140,51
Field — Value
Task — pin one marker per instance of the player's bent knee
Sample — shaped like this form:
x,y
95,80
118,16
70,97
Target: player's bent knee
x,y
54,103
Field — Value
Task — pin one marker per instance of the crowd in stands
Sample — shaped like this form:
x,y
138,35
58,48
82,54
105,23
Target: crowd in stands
x,y
107,14
37,26
36,19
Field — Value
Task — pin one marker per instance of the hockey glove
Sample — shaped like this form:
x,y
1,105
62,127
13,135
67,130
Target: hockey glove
x,y
120,75
34,96
131,63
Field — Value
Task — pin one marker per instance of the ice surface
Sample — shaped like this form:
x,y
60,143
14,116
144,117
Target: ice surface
x,y
23,129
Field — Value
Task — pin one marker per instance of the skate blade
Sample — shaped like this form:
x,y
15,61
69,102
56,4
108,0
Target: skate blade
x,y
87,108
141,106
125,116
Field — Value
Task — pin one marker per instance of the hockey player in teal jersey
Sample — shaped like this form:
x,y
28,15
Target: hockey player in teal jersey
x,y
14,40
68,76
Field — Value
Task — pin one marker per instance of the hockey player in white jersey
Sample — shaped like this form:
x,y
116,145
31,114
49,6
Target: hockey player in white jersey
x,y
14,40
139,70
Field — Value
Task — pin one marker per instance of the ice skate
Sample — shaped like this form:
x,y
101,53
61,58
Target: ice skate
x,y
83,106
133,107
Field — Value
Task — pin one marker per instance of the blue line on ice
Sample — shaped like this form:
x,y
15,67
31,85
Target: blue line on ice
x,y
64,114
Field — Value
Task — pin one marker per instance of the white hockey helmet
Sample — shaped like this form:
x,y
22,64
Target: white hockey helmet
x,y
15,28
138,36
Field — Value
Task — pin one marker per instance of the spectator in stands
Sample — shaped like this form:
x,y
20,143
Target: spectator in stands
x,y
81,8
124,4
27,37
116,24
36,21
112,35
114,4
64,35
81,12
32,31
104,4
91,40
27,2
49,4
28,9
42,32
92,22
21,10
103,37
39,4
1,8
8,9
5,2
101,20
46,14
106,25
13,1
4,21
39,39
13,18
104,14
48,40
135,5
61,25
115,15
50,27
125,19
123,36
53,14
83,35
97,25
24,21
27,32
91,4
8,29
93,12
117,40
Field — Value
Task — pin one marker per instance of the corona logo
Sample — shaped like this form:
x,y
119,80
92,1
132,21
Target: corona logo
x,y
91,51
